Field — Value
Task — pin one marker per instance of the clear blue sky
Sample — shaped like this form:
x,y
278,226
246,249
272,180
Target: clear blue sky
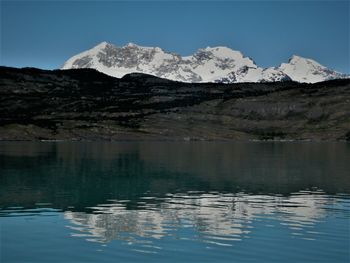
x,y
46,33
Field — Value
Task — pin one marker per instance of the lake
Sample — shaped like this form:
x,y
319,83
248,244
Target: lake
x,y
174,202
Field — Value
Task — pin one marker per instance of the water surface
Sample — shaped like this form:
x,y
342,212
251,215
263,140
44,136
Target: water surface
x,y
174,202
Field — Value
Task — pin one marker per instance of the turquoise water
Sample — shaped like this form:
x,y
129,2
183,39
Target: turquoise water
x,y
174,202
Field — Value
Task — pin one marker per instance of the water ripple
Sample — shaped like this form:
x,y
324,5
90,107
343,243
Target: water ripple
x,y
221,218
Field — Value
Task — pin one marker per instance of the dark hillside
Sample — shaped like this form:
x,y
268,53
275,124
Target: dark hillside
x,y
85,104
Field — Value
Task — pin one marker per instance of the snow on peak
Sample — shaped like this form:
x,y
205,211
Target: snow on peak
x,y
102,44
306,61
296,58
210,64
302,69
130,44
224,52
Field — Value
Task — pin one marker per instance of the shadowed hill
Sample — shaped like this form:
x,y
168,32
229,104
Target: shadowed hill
x,y
86,104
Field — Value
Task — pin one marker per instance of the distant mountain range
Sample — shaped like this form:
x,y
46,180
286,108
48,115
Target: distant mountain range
x,y
211,64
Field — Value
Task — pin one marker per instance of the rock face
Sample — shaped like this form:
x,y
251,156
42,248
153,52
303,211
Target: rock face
x,y
85,104
217,64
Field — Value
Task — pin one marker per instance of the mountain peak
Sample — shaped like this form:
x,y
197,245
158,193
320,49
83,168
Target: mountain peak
x,y
223,52
307,70
298,59
102,45
295,58
131,44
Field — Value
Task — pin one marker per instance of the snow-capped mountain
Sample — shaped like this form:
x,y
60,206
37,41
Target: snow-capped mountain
x,y
307,70
211,64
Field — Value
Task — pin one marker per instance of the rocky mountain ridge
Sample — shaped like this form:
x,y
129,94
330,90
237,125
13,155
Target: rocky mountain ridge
x,y
211,64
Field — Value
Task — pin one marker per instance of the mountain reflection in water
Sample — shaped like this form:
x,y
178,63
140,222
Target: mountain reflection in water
x,y
150,195
217,217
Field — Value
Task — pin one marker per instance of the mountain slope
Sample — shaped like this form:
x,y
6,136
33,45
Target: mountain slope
x,y
86,104
216,64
